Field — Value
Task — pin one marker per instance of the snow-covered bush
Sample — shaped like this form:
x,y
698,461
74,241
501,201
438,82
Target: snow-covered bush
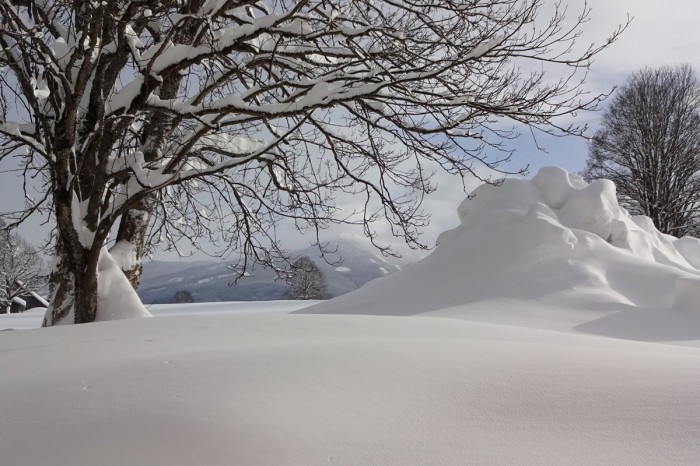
x,y
20,269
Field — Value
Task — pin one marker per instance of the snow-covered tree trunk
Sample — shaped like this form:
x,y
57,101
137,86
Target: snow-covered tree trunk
x,y
132,237
73,295
101,290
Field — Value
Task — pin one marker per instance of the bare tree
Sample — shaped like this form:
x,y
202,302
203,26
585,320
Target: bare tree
x,y
20,269
218,119
306,280
183,296
649,145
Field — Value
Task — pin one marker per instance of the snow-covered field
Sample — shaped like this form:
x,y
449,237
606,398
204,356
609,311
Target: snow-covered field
x,y
350,390
32,318
548,328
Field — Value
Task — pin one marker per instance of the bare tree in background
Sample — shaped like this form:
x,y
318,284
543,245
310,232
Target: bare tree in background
x,y
306,280
182,297
20,269
649,145
218,119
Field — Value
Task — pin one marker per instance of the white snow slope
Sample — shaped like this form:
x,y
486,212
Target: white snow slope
x,y
399,390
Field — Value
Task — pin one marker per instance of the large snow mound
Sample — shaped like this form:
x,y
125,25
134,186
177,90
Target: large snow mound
x,y
550,252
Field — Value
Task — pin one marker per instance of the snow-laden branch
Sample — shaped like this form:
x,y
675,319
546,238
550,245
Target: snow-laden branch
x,y
220,117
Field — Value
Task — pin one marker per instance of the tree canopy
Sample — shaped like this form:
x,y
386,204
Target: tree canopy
x,y
20,268
306,280
218,118
649,145
182,297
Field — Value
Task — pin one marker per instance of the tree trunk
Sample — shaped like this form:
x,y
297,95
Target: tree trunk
x,y
73,296
132,236
73,280
134,223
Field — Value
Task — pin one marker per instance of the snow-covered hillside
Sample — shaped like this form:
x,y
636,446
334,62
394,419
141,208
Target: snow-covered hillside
x,y
495,350
553,252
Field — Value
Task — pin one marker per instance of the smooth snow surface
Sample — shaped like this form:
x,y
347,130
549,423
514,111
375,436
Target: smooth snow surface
x,y
23,321
553,252
347,390
32,319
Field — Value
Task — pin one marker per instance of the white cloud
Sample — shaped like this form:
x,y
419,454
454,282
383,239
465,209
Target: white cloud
x,y
661,32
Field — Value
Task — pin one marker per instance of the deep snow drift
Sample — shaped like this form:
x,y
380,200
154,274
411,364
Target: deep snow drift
x,y
551,252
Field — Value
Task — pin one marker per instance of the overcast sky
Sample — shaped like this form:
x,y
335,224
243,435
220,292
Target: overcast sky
x,y
662,32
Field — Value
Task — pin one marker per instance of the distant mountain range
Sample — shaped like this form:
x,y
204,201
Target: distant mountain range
x,y
209,281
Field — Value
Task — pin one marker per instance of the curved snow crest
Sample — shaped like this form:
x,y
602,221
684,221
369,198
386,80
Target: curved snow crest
x,y
551,252
558,218
579,211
